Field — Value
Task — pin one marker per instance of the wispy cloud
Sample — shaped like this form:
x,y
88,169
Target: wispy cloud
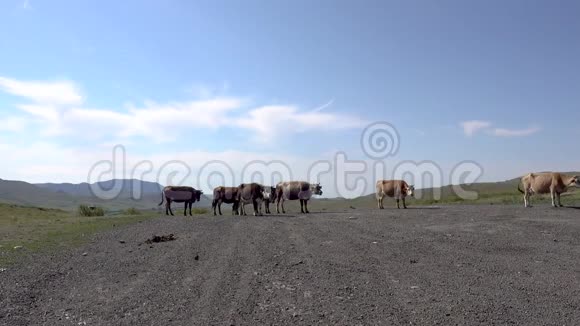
x,y
57,108
26,5
52,92
471,127
277,120
502,132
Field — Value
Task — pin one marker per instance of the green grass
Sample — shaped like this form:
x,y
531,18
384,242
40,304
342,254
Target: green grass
x,y
131,211
41,229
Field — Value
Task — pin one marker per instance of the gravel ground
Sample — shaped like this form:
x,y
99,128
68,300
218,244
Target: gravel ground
x,y
464,265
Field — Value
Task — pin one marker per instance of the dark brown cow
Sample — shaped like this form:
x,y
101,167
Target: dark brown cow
x,y
228,195
179,194
294,190
251,193
397,189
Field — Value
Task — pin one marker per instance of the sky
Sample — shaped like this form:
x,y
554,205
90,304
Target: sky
x,y
196,83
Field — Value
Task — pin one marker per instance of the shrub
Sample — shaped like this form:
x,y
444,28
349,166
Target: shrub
x,y
85,210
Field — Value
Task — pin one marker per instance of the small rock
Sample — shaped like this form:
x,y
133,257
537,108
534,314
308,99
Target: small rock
x,y
196,257
121,241
18,247
412,261
84,253
374,242
352,217
3,269
414,287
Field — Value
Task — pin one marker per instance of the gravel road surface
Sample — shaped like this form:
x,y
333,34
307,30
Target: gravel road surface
x,y
464,265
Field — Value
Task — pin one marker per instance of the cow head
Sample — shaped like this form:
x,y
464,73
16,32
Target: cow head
x,y
197,195
272,193
316,189
411,191
575,181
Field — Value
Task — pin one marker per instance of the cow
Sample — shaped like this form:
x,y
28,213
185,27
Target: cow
x,y
397,189
552,183
294,190
180,194
228,195
251,193
269,197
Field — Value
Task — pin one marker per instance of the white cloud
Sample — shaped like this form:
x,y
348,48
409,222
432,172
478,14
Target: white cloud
x,y
470,128
271,121
54,92
13,124
26,5
502,132
57,109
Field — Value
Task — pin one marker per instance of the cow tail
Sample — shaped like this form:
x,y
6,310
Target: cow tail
x,y
519,189
161,199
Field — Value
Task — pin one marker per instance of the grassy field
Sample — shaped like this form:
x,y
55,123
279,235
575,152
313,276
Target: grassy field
x,y
32,229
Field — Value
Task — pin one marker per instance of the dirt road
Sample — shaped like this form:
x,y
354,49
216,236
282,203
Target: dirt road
x,y
463,265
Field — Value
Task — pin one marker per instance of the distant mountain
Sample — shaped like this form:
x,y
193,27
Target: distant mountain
x,y
127,187
22,193
70,196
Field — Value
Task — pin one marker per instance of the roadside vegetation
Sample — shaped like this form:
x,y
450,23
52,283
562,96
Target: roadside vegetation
x,y
33,229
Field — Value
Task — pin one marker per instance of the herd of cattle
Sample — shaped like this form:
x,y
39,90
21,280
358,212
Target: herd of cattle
x,y
552,183
244,194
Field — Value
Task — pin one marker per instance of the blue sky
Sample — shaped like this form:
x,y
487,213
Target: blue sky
x,y
496,82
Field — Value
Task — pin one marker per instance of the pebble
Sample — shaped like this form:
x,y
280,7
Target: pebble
x,y
84,253
18,247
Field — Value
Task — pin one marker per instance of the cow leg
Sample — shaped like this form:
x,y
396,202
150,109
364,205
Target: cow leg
x,y
255,204
185,208
280,203
404,203
306,206
169,207
301,206
559,199
399,207
553,194
190,204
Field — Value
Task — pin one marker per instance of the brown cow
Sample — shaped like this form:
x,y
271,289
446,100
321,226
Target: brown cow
x,y
228,195
294,190
552,183
251,193
178,194
397,189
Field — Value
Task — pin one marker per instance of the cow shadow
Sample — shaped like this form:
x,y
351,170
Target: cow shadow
x,y
572,207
